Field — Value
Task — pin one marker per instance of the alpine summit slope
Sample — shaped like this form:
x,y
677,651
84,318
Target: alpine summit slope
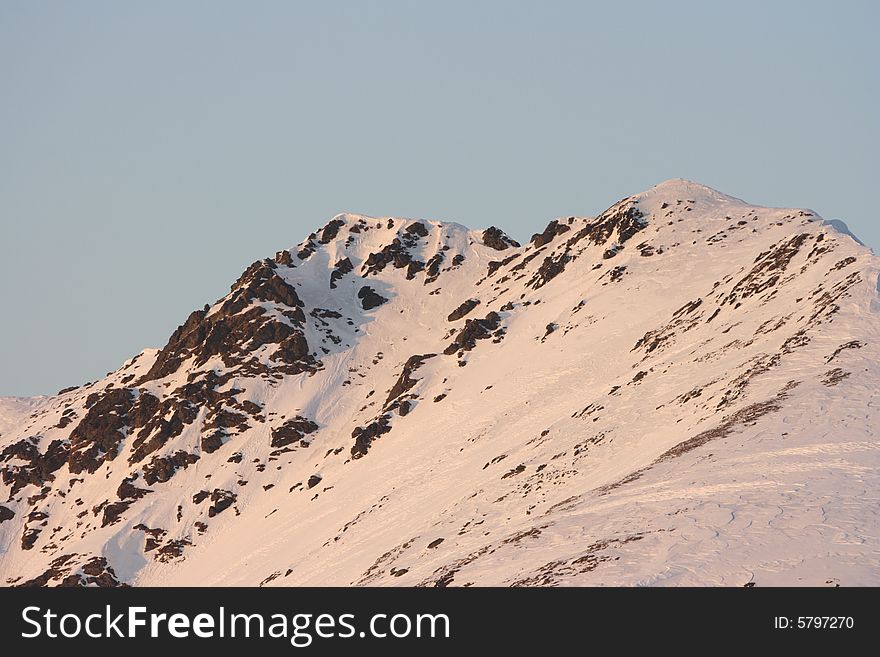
x,y
679,391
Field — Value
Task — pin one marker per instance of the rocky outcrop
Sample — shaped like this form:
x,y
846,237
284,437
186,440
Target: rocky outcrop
x,y
462,310
405,381
497,239
33,467
364,436
474,329
161,468
96,438
370,298
238,327
221,500
623,221
553,230
292,431
331,230
340,269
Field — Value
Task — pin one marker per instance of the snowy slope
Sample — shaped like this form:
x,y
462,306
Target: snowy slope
x,y
14,410
678,391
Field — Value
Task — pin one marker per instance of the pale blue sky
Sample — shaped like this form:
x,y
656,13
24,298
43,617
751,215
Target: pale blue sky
x,y
150,151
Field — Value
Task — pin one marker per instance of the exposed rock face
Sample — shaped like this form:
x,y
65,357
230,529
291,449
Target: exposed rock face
x,y
222,500
95,572
364,436
292,431
398,253
340,269
474,329
6,514
405,381
624,220
331,230
463,310
161,468
239,326
96,438
495,238
417,228
33,467
553,229
370,298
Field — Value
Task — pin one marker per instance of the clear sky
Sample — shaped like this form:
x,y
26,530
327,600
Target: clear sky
x,y
150,151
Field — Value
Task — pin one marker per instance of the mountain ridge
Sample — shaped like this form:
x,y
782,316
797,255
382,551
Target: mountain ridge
x,y
390,382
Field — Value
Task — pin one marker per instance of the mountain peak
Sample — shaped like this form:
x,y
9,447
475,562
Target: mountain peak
x,y
404,401
681,191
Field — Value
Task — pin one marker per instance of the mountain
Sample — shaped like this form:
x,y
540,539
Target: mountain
x,y
679,391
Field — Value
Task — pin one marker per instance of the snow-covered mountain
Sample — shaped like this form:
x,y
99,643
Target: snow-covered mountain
x,y
681,390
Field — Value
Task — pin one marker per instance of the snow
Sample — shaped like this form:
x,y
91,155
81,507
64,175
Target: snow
x,y
842,228
13,410
789,497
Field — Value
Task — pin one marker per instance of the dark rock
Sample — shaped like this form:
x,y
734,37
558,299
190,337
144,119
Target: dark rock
x,y
38,467
432,267
495,238
418,228
6,514
768,270
340,269
474,329
314,480
435,543
67,417
95,567
29,537
113,512
331,230
463,310
284,258
211,443
172,550
128,491
405,381
370,298
161,468
306,252
364,436
292,431
233,334
495,265
623,219
97,437
549,269
617,273
154,536
222,500
553,229
395,254
515,471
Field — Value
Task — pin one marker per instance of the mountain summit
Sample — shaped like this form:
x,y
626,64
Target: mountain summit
x,y
681,390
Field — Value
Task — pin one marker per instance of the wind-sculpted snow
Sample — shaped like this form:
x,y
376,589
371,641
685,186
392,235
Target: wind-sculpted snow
x,y
680,390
